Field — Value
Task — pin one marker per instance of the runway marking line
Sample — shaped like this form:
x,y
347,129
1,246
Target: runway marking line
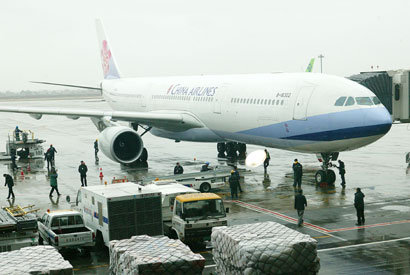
x,y
318,228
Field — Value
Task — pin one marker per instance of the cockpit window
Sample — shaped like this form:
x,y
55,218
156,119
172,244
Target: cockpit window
x,y
364,101
350,101
376,100
340,101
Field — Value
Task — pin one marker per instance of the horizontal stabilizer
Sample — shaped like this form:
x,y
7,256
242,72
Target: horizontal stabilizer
x,y
67,85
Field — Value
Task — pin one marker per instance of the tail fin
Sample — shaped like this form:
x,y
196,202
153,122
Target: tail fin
x,y
109,66
310,66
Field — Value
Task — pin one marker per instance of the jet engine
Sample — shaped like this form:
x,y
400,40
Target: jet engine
x,y
120,144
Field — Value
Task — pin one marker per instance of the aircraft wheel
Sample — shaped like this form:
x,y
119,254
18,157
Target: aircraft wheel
x,y
241,148
221,147
230,148
320,176
331,177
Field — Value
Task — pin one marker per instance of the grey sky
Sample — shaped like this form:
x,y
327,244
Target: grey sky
x,y
55,41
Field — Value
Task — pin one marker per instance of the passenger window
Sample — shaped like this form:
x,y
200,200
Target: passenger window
x,y
281,103
340,101
266,101
273,102
71,220
364,101
269,102
277,102
350,101
257,102
247,101
55,222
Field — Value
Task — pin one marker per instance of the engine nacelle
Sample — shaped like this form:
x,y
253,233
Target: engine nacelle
x,y
120,144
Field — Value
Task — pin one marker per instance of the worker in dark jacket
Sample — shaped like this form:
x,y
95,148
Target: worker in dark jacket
x,y
235,169
297,173
82,169
178,169
300,204
53,182
359,205
233,184
13,160
10,183
96,147
342,172
51,151
266,162
49,159
205,167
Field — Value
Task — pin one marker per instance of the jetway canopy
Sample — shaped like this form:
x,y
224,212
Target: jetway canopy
x,y
380,83
392,88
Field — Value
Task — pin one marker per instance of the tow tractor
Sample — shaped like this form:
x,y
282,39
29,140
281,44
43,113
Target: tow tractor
x,y
202,181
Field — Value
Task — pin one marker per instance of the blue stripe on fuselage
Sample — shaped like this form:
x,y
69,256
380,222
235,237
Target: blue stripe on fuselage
x,y
328,127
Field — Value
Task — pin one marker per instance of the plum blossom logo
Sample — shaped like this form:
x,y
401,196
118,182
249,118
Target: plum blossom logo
x,y
105,56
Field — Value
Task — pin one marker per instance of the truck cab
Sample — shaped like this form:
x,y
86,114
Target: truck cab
x,y
194,216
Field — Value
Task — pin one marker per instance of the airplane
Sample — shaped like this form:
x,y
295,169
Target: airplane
x,y
301,112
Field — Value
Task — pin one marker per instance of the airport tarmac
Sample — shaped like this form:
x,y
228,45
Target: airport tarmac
x,y
381,246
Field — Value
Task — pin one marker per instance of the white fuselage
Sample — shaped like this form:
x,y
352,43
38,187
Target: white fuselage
x,y
293,111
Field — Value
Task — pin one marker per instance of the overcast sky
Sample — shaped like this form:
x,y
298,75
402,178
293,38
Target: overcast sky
x,y
56,41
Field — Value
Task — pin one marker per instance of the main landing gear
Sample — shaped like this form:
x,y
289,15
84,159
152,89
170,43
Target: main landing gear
x,y
232,149
326,175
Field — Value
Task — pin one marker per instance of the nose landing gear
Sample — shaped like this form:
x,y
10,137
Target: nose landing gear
x,y
326,175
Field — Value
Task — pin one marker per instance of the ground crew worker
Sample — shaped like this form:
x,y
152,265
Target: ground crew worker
x,y
238,177
96,148
300,204
52,152
17,132
266,162
205,167
297,173
82,169
13,160
178,169
10,183
53,182
233,184
48,158
342,172
359,205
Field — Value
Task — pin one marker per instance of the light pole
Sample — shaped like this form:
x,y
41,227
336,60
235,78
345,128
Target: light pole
x,y
321,56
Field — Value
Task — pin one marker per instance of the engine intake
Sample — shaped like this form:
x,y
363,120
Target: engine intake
x,y
121,144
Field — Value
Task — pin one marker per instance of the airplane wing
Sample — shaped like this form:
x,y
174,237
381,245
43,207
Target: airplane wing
x,y
176,121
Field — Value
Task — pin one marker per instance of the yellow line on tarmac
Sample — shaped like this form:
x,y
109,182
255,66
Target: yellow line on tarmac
x,y
320,237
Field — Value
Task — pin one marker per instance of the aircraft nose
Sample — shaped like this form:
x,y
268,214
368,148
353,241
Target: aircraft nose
x,y
379,120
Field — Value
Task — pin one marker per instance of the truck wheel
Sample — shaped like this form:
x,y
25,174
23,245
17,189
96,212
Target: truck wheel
x,y
40,240
205,187
173,235
99,240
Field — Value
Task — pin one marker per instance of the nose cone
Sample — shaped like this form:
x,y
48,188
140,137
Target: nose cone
x,y
378,120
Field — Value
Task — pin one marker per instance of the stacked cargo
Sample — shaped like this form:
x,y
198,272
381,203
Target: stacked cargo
x,y
34,260
263,248
151,255
17,232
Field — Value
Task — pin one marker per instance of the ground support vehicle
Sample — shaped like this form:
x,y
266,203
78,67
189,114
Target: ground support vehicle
x,y
17,231
120,211
65,229
194,216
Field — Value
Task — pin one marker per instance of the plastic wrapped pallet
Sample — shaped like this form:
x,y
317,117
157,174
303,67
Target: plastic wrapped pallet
x,y
150,255
34,260
263,248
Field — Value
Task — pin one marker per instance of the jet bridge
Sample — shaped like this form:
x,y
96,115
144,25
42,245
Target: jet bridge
x,y
392,88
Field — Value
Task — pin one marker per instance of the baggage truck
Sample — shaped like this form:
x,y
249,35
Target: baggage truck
x,y
119,211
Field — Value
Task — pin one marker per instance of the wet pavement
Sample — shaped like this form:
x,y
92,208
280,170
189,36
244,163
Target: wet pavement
x,y
381,246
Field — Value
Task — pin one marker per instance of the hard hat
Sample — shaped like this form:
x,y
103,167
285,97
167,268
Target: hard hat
x,y
207,162
232,171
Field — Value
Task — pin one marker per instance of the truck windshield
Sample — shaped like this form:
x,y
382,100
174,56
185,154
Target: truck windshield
x,y
204,209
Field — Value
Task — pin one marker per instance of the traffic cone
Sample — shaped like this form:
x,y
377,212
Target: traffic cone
x,y
22,172
101,175
28,168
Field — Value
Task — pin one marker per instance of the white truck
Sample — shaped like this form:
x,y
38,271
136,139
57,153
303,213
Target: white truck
x,y
200,184
150,210
119,211
65,229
